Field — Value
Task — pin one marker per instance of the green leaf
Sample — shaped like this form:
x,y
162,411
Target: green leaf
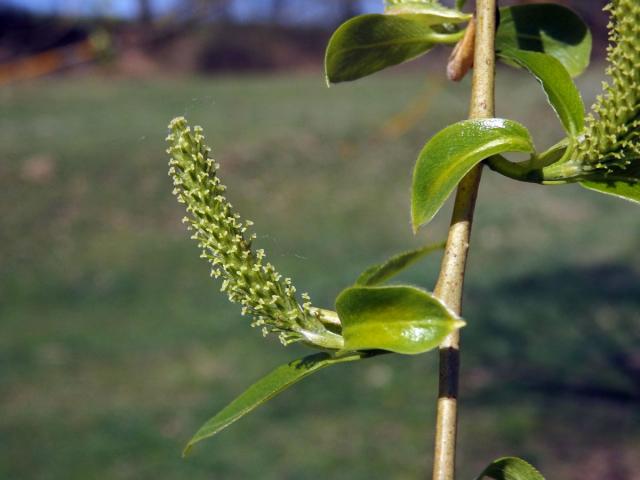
x,y
368,43
399,319
511,468
452,153
547,28
265,389
562,93
432,13
628,190
378,274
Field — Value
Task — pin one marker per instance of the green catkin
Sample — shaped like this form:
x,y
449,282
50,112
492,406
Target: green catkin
x,y
247,279
611,140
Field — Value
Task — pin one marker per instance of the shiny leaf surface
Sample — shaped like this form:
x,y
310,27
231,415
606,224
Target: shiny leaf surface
x,y
378,274
452,152
547,28
266,388
368,43
399,319
562,93
510,468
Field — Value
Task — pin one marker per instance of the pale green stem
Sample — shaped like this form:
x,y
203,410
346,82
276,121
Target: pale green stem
x,y
556,166
452,272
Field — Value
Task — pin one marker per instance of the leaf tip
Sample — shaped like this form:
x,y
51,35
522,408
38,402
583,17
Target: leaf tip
x,y
419,220
416,219
187,450
327,79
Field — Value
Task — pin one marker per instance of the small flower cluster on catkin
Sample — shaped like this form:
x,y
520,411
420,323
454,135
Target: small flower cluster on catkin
x,y
612,137
247,278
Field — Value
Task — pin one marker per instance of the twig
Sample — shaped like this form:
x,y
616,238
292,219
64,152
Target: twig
x,y
451,278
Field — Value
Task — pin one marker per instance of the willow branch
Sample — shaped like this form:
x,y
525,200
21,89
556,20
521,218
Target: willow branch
x,y
452,272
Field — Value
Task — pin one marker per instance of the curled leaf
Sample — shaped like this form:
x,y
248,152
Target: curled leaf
x,y
399,319
452,153
562,93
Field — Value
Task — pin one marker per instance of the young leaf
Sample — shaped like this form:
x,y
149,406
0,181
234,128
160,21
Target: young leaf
x,y
368,43
378,274
629,190
266,388
547,28
399,319
562,93
510,468
462,57
452,153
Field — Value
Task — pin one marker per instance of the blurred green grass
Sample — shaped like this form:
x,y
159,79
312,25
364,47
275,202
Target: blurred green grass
x,y
115,345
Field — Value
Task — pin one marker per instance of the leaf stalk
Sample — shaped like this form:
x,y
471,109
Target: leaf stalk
x,y
447,38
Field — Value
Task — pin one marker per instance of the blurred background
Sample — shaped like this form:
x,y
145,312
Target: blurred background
x,y
114,343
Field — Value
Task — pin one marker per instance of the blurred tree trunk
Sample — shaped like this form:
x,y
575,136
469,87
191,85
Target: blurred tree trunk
x,y
145,13
350,8
347,9
205,10
223,10
278,8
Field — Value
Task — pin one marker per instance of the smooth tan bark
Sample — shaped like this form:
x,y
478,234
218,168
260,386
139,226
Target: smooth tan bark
x,y
450,282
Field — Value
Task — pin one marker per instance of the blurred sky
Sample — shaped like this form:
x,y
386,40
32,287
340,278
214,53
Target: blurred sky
x,y
128,8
